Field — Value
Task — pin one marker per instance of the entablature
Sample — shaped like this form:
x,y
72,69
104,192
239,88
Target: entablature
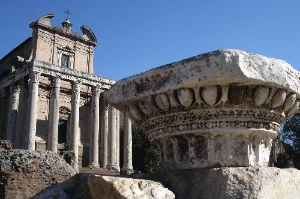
x,y
56,71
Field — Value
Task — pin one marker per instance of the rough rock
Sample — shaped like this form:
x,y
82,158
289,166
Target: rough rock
x,y
90,186
24,173
5,145
233,183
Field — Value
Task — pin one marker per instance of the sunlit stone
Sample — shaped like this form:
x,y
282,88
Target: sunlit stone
x,y
210,107
260,95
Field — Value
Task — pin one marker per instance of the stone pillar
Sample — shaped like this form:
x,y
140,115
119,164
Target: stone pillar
x,y
127,146
111,164
104,136
118,140
54,116
32,111
19,139
13,112
94,133
75,103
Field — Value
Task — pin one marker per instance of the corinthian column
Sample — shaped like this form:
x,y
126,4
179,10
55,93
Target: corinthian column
x,y
75,121
127,146
94,133
32,112
104,135
112,141
118,140
54,116
13,112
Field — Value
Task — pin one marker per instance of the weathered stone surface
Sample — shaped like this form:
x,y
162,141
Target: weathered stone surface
x,y
232,183
221,108
221,67
89,186
5,145
24,173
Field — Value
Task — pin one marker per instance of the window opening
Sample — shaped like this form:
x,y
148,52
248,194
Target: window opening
x,y
65,59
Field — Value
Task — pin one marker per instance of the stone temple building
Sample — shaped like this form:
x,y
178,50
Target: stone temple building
x,y
51,99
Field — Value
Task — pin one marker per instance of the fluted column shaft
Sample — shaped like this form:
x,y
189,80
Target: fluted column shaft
x,y
54,116
127,146
94,133
32,112
75,121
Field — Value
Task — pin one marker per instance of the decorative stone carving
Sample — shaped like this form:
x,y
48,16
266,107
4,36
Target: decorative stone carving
x,y
210,95
260,95
278,98
217,109
289,101
186,97
162,101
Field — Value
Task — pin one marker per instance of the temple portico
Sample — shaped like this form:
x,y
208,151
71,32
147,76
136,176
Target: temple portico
x,y
104,146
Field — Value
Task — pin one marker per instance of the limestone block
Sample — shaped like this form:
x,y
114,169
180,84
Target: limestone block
x,y
233,183
221,108
92,186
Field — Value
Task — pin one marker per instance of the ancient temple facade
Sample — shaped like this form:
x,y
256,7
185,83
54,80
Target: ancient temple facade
x,y
51,99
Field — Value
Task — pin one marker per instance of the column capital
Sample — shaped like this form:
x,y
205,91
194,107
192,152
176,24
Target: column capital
x,y
96,90
15,86
34,76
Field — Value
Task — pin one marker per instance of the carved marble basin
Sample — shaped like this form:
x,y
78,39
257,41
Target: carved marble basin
x,y
221,108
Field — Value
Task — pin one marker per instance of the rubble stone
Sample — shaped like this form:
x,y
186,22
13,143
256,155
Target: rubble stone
x,y
23,173
5,145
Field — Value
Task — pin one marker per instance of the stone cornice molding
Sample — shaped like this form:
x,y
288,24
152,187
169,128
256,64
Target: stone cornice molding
x,y
221,67
57,71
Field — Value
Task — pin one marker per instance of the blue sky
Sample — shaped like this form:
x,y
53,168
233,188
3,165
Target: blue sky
x,y
137,35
